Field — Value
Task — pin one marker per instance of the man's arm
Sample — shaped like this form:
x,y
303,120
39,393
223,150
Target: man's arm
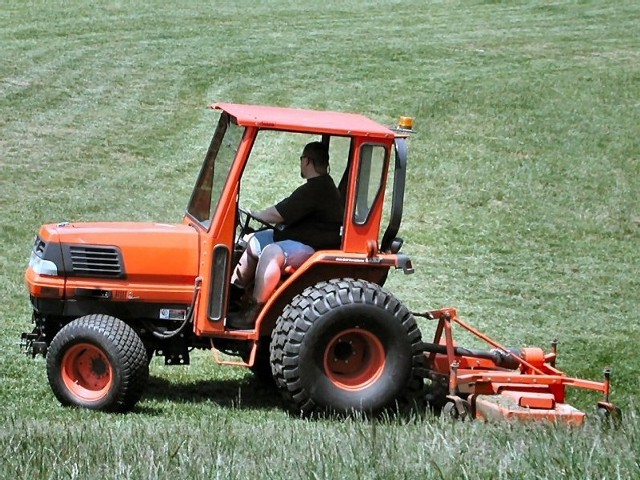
x,y
269,215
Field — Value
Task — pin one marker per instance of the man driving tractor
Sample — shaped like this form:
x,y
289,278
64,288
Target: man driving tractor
x,y
307,220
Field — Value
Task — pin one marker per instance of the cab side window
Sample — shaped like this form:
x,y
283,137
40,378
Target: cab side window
x,y
369,184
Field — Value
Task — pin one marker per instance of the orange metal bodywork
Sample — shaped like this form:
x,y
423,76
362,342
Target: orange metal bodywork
x,y
357,238
535,390
160,261
525,406
306,121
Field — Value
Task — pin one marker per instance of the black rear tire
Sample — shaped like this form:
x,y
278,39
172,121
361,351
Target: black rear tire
x,y
98,362
346,346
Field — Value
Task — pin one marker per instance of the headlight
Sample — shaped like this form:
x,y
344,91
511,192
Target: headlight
x,y
41,266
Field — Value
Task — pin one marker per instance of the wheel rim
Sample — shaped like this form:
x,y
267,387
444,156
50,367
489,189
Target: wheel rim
x,y
354,359
87,372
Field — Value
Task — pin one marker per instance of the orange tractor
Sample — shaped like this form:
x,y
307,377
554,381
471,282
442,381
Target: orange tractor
x,y
107,297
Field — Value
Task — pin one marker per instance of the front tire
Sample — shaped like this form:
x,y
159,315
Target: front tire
x,y
347,346
98,362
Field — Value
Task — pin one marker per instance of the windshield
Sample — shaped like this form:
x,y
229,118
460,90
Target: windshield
x,y
215,170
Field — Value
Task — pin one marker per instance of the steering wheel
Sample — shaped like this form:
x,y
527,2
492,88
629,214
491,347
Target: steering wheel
x,y
246,221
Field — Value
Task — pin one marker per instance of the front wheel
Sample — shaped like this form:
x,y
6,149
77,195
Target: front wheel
x,y
346,346
98,362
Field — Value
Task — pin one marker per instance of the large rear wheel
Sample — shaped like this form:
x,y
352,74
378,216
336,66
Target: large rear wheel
x,y
347,346
98,362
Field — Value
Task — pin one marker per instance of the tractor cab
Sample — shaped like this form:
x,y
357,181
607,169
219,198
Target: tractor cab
x,y
252,162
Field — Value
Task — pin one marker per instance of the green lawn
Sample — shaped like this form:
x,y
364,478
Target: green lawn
x,y
522,209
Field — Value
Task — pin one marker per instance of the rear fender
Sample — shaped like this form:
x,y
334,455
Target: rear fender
x,y
322,266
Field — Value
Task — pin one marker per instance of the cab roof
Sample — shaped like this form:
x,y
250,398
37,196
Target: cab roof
x,y
304,120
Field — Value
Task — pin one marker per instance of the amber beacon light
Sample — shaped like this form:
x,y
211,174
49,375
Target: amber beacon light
x,y
406,123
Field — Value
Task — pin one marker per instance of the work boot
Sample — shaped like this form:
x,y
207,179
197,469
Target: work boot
x,y
235,298
244,320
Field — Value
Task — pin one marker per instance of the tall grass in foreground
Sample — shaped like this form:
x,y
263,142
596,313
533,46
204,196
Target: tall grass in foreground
x,y
522,209
219,444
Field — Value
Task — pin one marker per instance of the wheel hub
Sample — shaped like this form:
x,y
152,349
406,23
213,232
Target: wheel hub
x,y
98,366
354,359
86,372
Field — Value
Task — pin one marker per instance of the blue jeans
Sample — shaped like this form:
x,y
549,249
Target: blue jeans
x,y
295,253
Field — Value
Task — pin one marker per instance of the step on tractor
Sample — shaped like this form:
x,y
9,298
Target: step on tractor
x,y
108,297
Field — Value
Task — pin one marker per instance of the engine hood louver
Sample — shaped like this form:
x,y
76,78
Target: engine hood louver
x,y
94,261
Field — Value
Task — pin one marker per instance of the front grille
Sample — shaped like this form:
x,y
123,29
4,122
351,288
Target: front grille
x,y
38,246
93,261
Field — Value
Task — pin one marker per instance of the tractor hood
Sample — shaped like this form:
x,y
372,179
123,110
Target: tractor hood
x,y
135,252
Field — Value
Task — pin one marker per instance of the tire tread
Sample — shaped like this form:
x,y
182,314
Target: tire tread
x,y
308,307
118,340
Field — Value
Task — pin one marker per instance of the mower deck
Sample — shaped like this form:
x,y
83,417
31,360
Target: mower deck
x,y
501,383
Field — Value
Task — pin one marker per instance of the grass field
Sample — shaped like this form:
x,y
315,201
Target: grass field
x,y
522,209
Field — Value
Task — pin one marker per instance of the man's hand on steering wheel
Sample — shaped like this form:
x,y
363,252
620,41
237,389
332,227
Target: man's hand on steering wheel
x,y
250,216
